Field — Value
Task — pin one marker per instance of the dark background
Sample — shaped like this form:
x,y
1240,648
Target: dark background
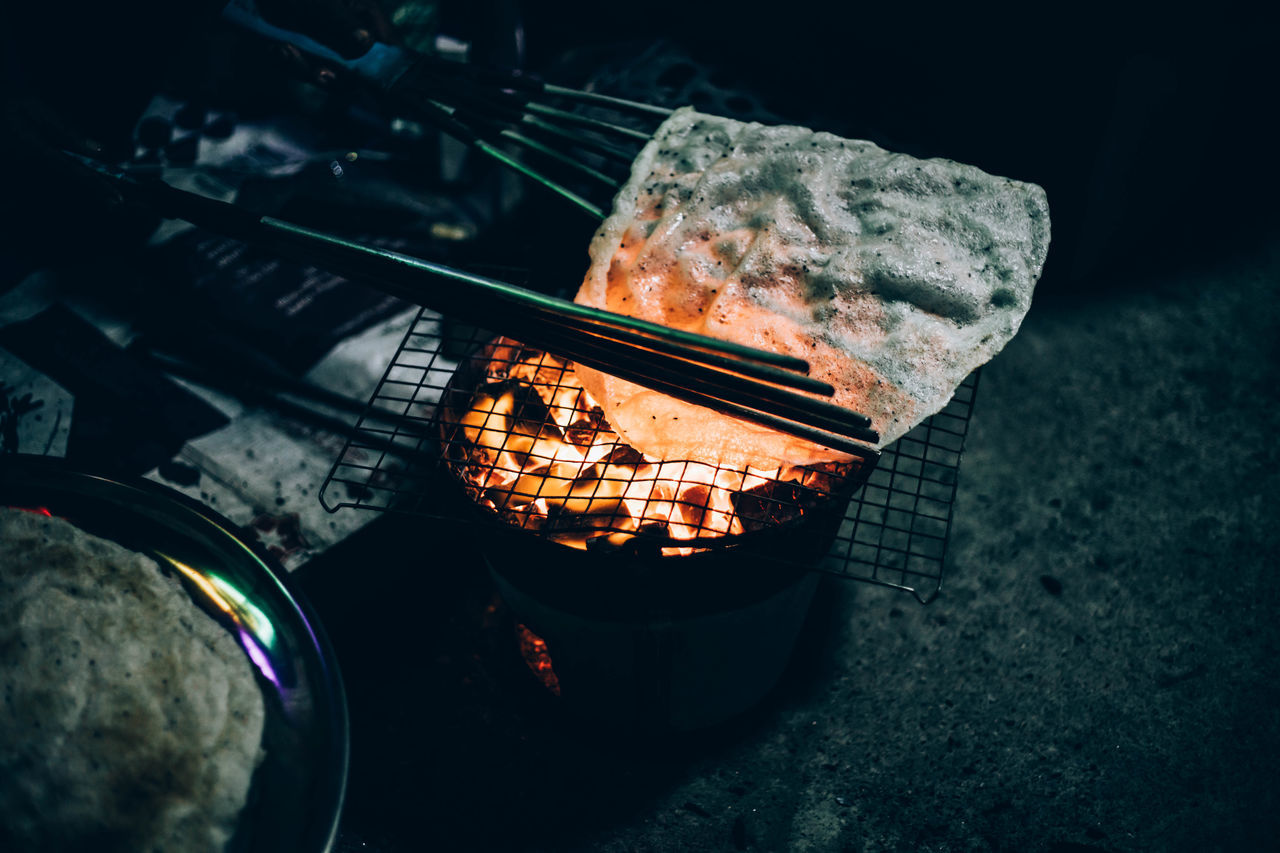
x,y
1147,125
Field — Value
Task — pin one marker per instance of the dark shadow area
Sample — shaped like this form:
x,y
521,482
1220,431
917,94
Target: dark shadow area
x,y
821,648
1148,129
454,742
1143,125
449,727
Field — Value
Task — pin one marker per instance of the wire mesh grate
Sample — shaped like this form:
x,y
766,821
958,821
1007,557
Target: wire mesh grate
x,y
424,411
896,527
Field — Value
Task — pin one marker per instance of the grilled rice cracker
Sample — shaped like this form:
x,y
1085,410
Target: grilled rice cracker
x,y
129,720
894,277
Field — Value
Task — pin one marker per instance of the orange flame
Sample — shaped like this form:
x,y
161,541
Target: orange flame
x,y
537,657
533,446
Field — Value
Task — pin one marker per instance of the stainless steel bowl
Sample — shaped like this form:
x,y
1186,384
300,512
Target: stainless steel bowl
x,y
297,792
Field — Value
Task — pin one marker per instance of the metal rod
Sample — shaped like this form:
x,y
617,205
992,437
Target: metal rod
x,y
539,178
781,409
514,108
528,319
527,312
259,395
607,100
509,79
532,144
275,384
564,159
586,121
405,271
483,300
767,373
547,151
677,385
523,312
606,149
358,260
440,117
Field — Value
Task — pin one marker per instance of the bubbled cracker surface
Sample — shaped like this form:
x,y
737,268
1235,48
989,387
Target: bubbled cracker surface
x,y
894,277
129,720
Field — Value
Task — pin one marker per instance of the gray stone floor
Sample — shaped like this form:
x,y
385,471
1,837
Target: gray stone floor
x,y
1100,671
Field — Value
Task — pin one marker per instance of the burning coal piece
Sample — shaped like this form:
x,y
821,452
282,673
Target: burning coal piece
x,y
529,444
533,649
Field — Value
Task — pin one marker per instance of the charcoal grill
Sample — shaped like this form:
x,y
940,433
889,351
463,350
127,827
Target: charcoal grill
x,y
893,531
649,641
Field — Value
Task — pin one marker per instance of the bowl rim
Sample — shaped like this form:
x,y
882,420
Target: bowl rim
x,y
55,473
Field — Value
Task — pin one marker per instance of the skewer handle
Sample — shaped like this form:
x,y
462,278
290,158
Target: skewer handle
x,y
401,275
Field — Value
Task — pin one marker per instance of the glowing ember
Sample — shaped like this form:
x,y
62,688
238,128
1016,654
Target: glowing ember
x,y
532,446
534,651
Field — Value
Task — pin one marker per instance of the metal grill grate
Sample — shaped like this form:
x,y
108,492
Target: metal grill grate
x,y
894,530
896,527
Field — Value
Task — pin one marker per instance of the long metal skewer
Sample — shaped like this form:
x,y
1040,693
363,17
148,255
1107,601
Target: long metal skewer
x,y
542,318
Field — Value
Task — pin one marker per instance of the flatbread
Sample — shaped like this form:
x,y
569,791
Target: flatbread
x,y
129,720
894,277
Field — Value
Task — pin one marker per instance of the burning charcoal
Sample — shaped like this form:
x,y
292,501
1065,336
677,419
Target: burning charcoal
x,y
693,504
823,476
582,433
770,504
583,514
501,498
537,368
551,372
623,455
530,415
527,518
597,418
537,657
613,543
654,529
543,457
508,416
